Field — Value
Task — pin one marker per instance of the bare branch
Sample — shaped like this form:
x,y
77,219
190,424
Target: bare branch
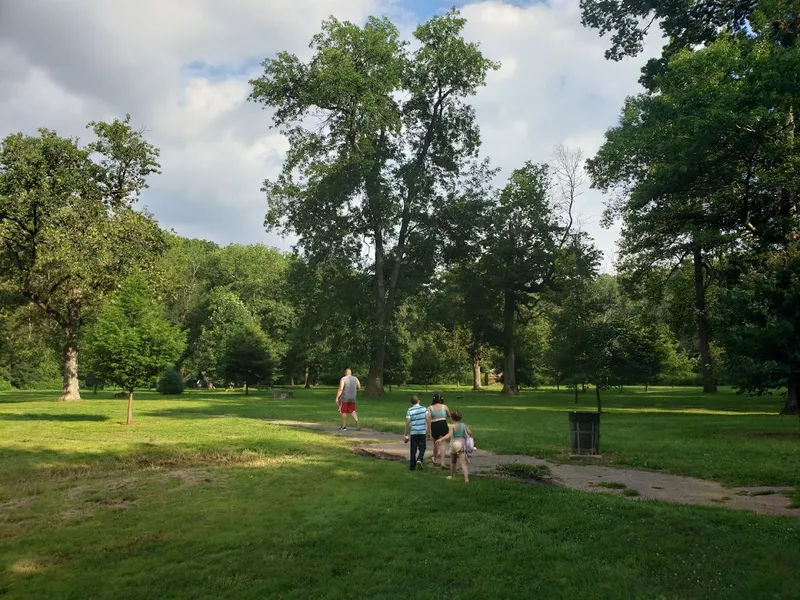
x,y
569,178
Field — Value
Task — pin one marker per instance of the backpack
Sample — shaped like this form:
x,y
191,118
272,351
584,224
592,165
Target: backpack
x,y
469,443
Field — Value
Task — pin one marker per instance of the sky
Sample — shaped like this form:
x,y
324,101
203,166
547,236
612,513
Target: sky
x,y
181,67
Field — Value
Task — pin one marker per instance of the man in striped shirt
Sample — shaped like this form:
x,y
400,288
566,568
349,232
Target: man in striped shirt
x,y
418,418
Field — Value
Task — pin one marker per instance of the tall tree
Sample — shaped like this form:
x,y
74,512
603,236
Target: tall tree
x,y
760,328
248,357
68,232
258,276
377,135
228,315
530,248
132,342
703,162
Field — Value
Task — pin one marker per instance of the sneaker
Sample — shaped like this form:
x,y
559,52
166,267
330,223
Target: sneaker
x,y
450,477
419,464
342,428
358,425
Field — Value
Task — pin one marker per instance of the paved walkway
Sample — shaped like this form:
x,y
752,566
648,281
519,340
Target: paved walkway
x,y
650,485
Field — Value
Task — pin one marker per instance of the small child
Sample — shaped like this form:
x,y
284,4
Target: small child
x,y
458,433
418,419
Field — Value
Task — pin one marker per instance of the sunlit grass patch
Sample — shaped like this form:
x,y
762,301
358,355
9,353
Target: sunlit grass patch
x,y
202,498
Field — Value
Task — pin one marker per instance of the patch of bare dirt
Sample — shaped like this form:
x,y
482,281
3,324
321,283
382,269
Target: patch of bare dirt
x,y
648,485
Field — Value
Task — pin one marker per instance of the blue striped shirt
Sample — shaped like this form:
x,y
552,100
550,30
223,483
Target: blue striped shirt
x,y
417,415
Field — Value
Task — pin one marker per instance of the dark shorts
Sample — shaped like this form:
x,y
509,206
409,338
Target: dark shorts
x,y
347,408
439,429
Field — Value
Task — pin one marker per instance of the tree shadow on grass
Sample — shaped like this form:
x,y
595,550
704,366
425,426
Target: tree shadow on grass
x,y
51,417
212,410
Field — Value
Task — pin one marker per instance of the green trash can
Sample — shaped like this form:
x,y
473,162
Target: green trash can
x,y
584,433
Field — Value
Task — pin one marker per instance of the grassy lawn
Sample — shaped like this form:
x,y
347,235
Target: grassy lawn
x,y
203,499
728,438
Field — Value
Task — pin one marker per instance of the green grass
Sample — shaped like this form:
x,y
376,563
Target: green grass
x,y
612,485
201,498
728,438
523,471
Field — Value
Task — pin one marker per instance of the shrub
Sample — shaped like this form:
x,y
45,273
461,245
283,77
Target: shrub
x,y
5,385
171,382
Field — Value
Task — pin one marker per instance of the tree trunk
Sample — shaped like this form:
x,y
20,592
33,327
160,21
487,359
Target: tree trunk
x,y
70,391
510,387
246,389
374,387
291,380
307,383
576,393
597,393
704,335
476,373
130,408
646,387
790,407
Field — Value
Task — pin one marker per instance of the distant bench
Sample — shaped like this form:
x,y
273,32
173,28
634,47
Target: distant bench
x,y
282,394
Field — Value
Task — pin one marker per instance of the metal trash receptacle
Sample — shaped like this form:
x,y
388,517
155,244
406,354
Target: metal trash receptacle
x,y
584,433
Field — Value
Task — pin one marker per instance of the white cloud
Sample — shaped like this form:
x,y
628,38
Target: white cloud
x,y
181,69
555,87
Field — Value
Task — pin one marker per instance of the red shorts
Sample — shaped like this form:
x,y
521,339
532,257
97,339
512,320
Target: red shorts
x,y
347,408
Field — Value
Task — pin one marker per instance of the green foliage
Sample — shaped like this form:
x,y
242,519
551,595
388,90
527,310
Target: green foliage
x,y
248,357
679,368
399,353
427,365
398,135
527,251
5,385
531,353
258,277
69,232
131,342
227,316
28,345
171,382
762,297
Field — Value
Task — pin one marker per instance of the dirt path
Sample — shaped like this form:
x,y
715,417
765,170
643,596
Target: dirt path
x,y
649,484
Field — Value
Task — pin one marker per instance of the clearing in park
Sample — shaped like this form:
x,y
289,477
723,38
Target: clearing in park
x,y
204,497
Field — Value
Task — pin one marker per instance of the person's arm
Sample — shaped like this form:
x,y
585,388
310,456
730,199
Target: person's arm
x,y
446,437
340,390
405,429
447,411
428,423
358,384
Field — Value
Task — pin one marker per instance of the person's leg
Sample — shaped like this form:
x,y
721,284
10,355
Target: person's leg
x,y
355,417
412,464
423,444
435,451
452,466
463,458
344,417
418,442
